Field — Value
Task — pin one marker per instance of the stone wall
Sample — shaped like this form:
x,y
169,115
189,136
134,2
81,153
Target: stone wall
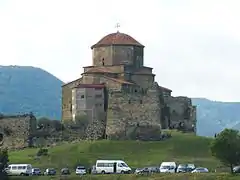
x,y
17,130
128,111
143,80
181,111
115,55
101,54
123,54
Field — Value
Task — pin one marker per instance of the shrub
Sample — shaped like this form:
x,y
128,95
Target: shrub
x,y
42,152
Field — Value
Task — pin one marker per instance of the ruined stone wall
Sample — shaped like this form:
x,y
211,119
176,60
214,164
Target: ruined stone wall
x,y
17,130
181,110
127,111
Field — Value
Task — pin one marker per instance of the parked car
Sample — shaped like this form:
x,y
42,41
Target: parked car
x,y
144,170
154,169
19,169
200,170
36,172
65,171
236,169
168,167
183,168
50,172
81,170
112,166
147,170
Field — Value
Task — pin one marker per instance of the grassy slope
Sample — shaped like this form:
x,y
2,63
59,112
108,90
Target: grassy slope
x,y
181,148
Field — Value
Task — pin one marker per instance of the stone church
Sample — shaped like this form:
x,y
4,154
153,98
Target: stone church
x,y
119,95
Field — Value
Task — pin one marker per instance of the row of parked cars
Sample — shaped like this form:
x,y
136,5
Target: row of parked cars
x,y
171,167
108,167
28,170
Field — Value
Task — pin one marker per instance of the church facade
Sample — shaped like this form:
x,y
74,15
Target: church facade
x,y
119,95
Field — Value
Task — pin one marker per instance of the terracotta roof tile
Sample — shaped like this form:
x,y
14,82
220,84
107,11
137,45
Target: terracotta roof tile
x,y
117,39
90,86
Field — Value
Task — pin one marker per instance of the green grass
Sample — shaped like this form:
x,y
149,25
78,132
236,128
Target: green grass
x,y
209,176
180,148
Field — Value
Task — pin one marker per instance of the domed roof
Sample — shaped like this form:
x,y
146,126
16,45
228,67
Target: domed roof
x,y
117,39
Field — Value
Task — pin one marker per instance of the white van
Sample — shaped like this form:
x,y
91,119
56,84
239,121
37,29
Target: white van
x,y
19,169
168,167
112,166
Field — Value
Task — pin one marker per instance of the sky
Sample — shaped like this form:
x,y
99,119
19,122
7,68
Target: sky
x,y
193,45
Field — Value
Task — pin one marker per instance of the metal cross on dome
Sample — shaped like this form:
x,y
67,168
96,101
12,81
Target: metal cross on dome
x,y
117,26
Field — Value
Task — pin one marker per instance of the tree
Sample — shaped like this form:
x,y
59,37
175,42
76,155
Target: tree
x,y
57,125
226,147
43,123
3,163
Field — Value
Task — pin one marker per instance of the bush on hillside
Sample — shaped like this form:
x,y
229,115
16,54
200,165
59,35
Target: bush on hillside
x,y
45,123
42,152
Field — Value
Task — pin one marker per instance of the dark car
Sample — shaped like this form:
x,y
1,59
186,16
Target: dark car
x,y
36,172
50,172
65,171
147,170
183,168
144,170
154,169
236,169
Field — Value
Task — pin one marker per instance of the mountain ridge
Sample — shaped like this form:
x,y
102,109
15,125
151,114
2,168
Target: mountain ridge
x,y
25,89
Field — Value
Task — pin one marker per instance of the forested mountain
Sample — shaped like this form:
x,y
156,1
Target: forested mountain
x,y
26,89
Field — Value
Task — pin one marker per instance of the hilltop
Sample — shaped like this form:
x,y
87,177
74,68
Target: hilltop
x,y
182,148
24,89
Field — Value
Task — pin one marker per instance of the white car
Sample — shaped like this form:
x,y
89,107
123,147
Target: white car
x,y
19,169
168,167
81,170
112,166
200,170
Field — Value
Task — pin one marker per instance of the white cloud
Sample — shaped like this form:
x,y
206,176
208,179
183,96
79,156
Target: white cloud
x,y
192,45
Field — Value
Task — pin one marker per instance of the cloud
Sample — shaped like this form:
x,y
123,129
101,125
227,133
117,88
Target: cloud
x,y
192,45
